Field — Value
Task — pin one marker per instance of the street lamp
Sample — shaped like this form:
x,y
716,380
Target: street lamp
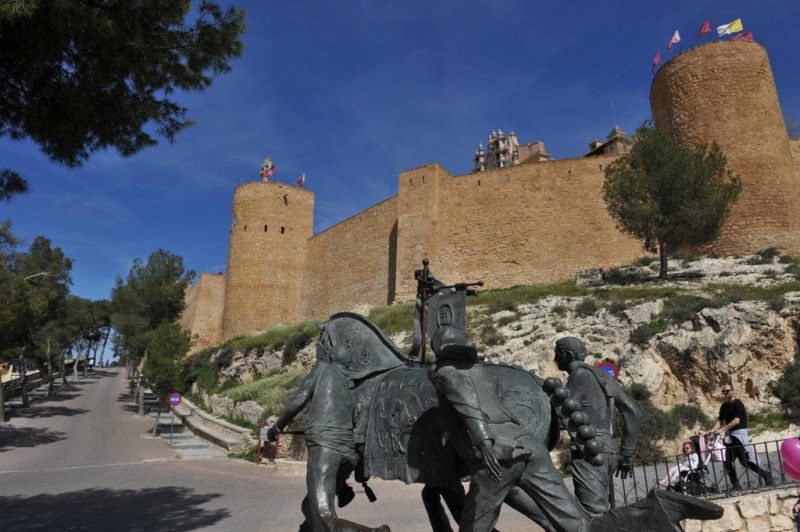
x,y
36,275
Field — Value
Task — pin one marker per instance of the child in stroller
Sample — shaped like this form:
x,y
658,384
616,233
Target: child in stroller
x,y
689,463
688,476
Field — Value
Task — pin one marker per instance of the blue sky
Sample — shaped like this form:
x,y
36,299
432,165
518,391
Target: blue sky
x,y
352,93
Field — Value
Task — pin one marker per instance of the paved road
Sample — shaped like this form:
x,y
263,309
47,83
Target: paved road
x,y
79,461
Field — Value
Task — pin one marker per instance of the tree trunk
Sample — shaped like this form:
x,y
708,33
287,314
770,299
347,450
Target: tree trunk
x,y
23,380
63,369
663,259
103,350
50,379
2,402
141,386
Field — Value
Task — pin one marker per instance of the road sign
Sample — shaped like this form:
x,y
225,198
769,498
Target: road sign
x,y
610,368
175,398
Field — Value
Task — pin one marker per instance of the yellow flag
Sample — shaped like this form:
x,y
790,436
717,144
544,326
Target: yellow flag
x,y
733,27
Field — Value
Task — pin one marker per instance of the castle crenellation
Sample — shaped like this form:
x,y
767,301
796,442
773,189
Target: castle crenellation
x,y
518,218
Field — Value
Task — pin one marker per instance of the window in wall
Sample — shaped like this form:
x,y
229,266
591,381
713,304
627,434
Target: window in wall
x,y
265,228
283,229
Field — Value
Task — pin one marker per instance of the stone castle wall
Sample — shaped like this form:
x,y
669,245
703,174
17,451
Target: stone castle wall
x,y
205,301
724,92
352,263
532,223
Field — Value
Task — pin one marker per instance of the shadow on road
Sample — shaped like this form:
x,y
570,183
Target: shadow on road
x,y
167,508
13,437
46,411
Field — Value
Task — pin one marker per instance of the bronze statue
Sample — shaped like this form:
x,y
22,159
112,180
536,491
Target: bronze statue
x,y
396,418
599,395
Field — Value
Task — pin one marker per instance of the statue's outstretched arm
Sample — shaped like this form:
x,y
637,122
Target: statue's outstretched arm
x,y
296,403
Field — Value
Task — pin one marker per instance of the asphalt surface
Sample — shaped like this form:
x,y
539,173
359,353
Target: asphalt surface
x,y
82,461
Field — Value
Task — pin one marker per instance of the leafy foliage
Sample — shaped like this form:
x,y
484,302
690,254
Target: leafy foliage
x,y
656,425
80,76
11,184
668,195
786,389
144,306
166,347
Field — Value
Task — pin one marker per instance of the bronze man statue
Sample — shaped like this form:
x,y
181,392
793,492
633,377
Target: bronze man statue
x,y
599,395
328,392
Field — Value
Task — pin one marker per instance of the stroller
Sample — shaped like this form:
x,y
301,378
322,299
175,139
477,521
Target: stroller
x,y
692,481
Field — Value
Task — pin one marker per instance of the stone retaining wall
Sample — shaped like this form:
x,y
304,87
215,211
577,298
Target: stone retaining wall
x,y
769,511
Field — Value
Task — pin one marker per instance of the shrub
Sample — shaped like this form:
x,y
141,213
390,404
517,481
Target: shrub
x,y
560,309
506,320
689,415
765,256
787,390
394,319
489,335
777,304
298,341
656,425
197,368
502,304
585,308
617,307
642,334
682,307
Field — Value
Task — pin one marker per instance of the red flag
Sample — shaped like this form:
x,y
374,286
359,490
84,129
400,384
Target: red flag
x,y
676,38
656,61
705,29
746,36
301,181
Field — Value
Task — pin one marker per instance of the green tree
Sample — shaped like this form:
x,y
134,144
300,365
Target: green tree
x,y
33,287
11,184
77,76
150,297
167,346
668,195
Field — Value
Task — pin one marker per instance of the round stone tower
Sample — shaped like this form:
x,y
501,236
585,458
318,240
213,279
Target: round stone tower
x,y
724,91
266,256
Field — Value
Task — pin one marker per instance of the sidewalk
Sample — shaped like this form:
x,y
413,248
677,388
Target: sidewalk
x,y
182,442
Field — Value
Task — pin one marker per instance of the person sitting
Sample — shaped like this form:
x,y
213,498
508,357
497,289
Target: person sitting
x,y
690,462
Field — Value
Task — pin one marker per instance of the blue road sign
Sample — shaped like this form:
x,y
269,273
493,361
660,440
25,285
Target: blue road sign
x,y
175,398
610,368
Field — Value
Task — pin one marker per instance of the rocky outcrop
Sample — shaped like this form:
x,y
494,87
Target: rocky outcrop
x,y
745,342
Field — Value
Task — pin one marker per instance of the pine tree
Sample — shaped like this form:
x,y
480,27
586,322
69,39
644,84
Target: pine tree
x,y
668,195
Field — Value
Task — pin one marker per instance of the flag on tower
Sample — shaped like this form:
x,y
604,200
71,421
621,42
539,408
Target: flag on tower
x,y
674,40
733,27
705,29
656,61
301,181
268,169
746,36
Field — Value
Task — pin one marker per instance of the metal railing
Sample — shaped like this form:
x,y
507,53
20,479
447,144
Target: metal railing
x,y
713,478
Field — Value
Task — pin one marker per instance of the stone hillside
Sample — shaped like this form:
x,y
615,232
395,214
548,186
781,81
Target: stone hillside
x,y
746,342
